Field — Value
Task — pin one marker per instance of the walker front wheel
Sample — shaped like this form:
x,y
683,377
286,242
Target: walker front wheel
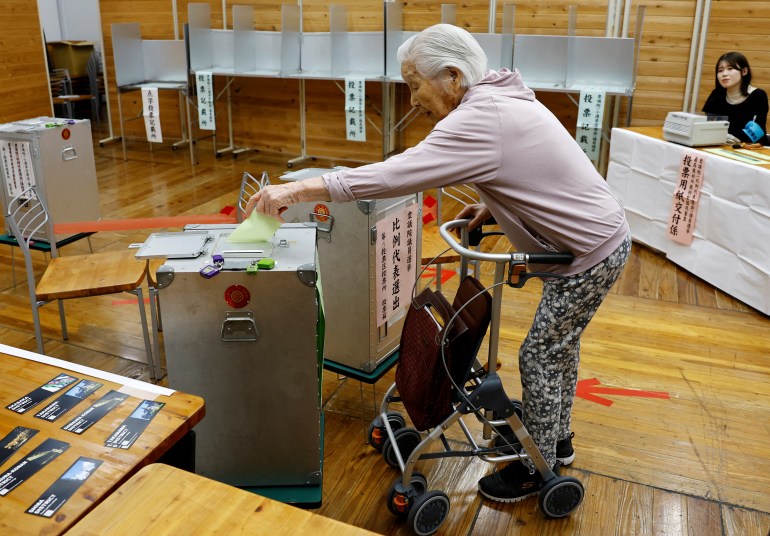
x,y
428,512
560,496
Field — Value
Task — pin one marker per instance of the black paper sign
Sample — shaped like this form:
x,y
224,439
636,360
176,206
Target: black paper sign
x,y
98,409
134,425
68,400
48,450
41,393
65,487
14,440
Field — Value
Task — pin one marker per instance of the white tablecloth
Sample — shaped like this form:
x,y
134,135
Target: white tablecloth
x,y
731,246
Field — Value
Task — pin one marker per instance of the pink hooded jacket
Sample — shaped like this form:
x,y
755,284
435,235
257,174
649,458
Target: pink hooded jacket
x,y
535,179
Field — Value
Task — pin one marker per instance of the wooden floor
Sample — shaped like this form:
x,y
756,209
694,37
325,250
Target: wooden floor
x,y
682,446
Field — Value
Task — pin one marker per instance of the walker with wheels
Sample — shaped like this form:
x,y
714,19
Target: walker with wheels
x,y
439,380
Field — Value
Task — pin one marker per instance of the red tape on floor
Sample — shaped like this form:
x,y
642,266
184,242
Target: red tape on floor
x,y
139,223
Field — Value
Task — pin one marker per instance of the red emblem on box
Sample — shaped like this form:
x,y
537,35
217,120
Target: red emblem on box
x,y
321,211
237,296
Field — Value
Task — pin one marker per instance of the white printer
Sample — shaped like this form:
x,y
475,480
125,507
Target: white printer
x,y
695,129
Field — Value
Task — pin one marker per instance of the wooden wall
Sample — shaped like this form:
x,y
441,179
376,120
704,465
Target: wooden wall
x,y
24,91
266,111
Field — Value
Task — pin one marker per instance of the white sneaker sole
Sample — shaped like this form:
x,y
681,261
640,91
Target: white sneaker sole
x,y
508,499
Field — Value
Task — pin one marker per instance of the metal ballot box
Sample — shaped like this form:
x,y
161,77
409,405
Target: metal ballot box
x,y
348,258
57,156
249,343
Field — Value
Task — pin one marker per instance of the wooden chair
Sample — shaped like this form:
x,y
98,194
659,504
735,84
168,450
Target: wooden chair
x,y
76,276
249,186
155,318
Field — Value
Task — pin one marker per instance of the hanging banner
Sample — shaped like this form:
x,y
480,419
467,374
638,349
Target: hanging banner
x,y
151,112
396,252
204,83
684,207
355,109
589,123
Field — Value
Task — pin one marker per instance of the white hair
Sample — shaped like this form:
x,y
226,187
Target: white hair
x,y
443,46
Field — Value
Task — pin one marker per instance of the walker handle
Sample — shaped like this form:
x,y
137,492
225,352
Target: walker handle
x,y
516,258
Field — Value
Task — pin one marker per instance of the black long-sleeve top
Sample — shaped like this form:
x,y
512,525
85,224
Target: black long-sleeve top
x,y
753,108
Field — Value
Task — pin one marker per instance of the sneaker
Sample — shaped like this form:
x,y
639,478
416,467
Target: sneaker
x,y
565,454
512,483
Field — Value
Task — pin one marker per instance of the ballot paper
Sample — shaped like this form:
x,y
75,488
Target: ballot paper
x,y
257,227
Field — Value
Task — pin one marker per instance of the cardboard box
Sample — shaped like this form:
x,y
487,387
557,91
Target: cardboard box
x,y
70,55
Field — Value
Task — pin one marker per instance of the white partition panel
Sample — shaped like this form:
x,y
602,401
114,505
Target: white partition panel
x,y
222,44
366,51
605,63
244,40
127,48
498,49
541,60
316,55
199,37
290,38
164,60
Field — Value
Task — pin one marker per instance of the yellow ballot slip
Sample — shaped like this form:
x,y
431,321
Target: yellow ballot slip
x,y
257,227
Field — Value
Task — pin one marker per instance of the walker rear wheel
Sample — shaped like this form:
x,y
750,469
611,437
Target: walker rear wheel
x,y
376,434
407,440
560,496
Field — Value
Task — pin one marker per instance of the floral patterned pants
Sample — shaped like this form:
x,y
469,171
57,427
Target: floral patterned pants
x,y
550,354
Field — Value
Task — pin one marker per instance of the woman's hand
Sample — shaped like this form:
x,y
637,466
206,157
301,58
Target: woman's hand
x,y
478,214
274,199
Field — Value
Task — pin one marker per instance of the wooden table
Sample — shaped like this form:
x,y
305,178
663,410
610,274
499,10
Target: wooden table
x,y
22,372
161,500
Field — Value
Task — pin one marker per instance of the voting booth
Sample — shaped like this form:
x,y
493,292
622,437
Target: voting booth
x,y
242,328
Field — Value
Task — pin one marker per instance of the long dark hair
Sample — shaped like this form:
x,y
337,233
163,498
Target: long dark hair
x,y
737,61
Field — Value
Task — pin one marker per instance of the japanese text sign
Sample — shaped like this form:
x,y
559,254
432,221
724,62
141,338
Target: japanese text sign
x,y
684,207
395,258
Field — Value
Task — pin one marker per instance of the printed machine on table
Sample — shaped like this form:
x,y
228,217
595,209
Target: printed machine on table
x,y
695,130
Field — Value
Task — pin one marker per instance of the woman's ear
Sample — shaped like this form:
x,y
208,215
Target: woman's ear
x,y
454,76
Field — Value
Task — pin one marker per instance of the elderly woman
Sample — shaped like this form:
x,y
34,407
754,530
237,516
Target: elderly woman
x,y
490,131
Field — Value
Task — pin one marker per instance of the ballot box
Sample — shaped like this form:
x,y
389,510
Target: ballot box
x,y
242,329
350,253
57,156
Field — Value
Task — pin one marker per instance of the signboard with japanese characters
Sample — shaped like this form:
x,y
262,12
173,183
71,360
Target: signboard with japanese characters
x,y
151,112
355,109
684,207
589,123
17,166
396,255
204,83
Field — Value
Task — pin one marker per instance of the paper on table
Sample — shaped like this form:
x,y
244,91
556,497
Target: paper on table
x,y
257,227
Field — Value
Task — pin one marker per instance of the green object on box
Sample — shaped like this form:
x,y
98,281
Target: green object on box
x,y
266,263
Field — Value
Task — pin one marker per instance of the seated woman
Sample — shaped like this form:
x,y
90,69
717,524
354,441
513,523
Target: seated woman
x,y
735,97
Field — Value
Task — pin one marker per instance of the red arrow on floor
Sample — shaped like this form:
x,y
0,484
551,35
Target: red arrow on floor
x,y
589,389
